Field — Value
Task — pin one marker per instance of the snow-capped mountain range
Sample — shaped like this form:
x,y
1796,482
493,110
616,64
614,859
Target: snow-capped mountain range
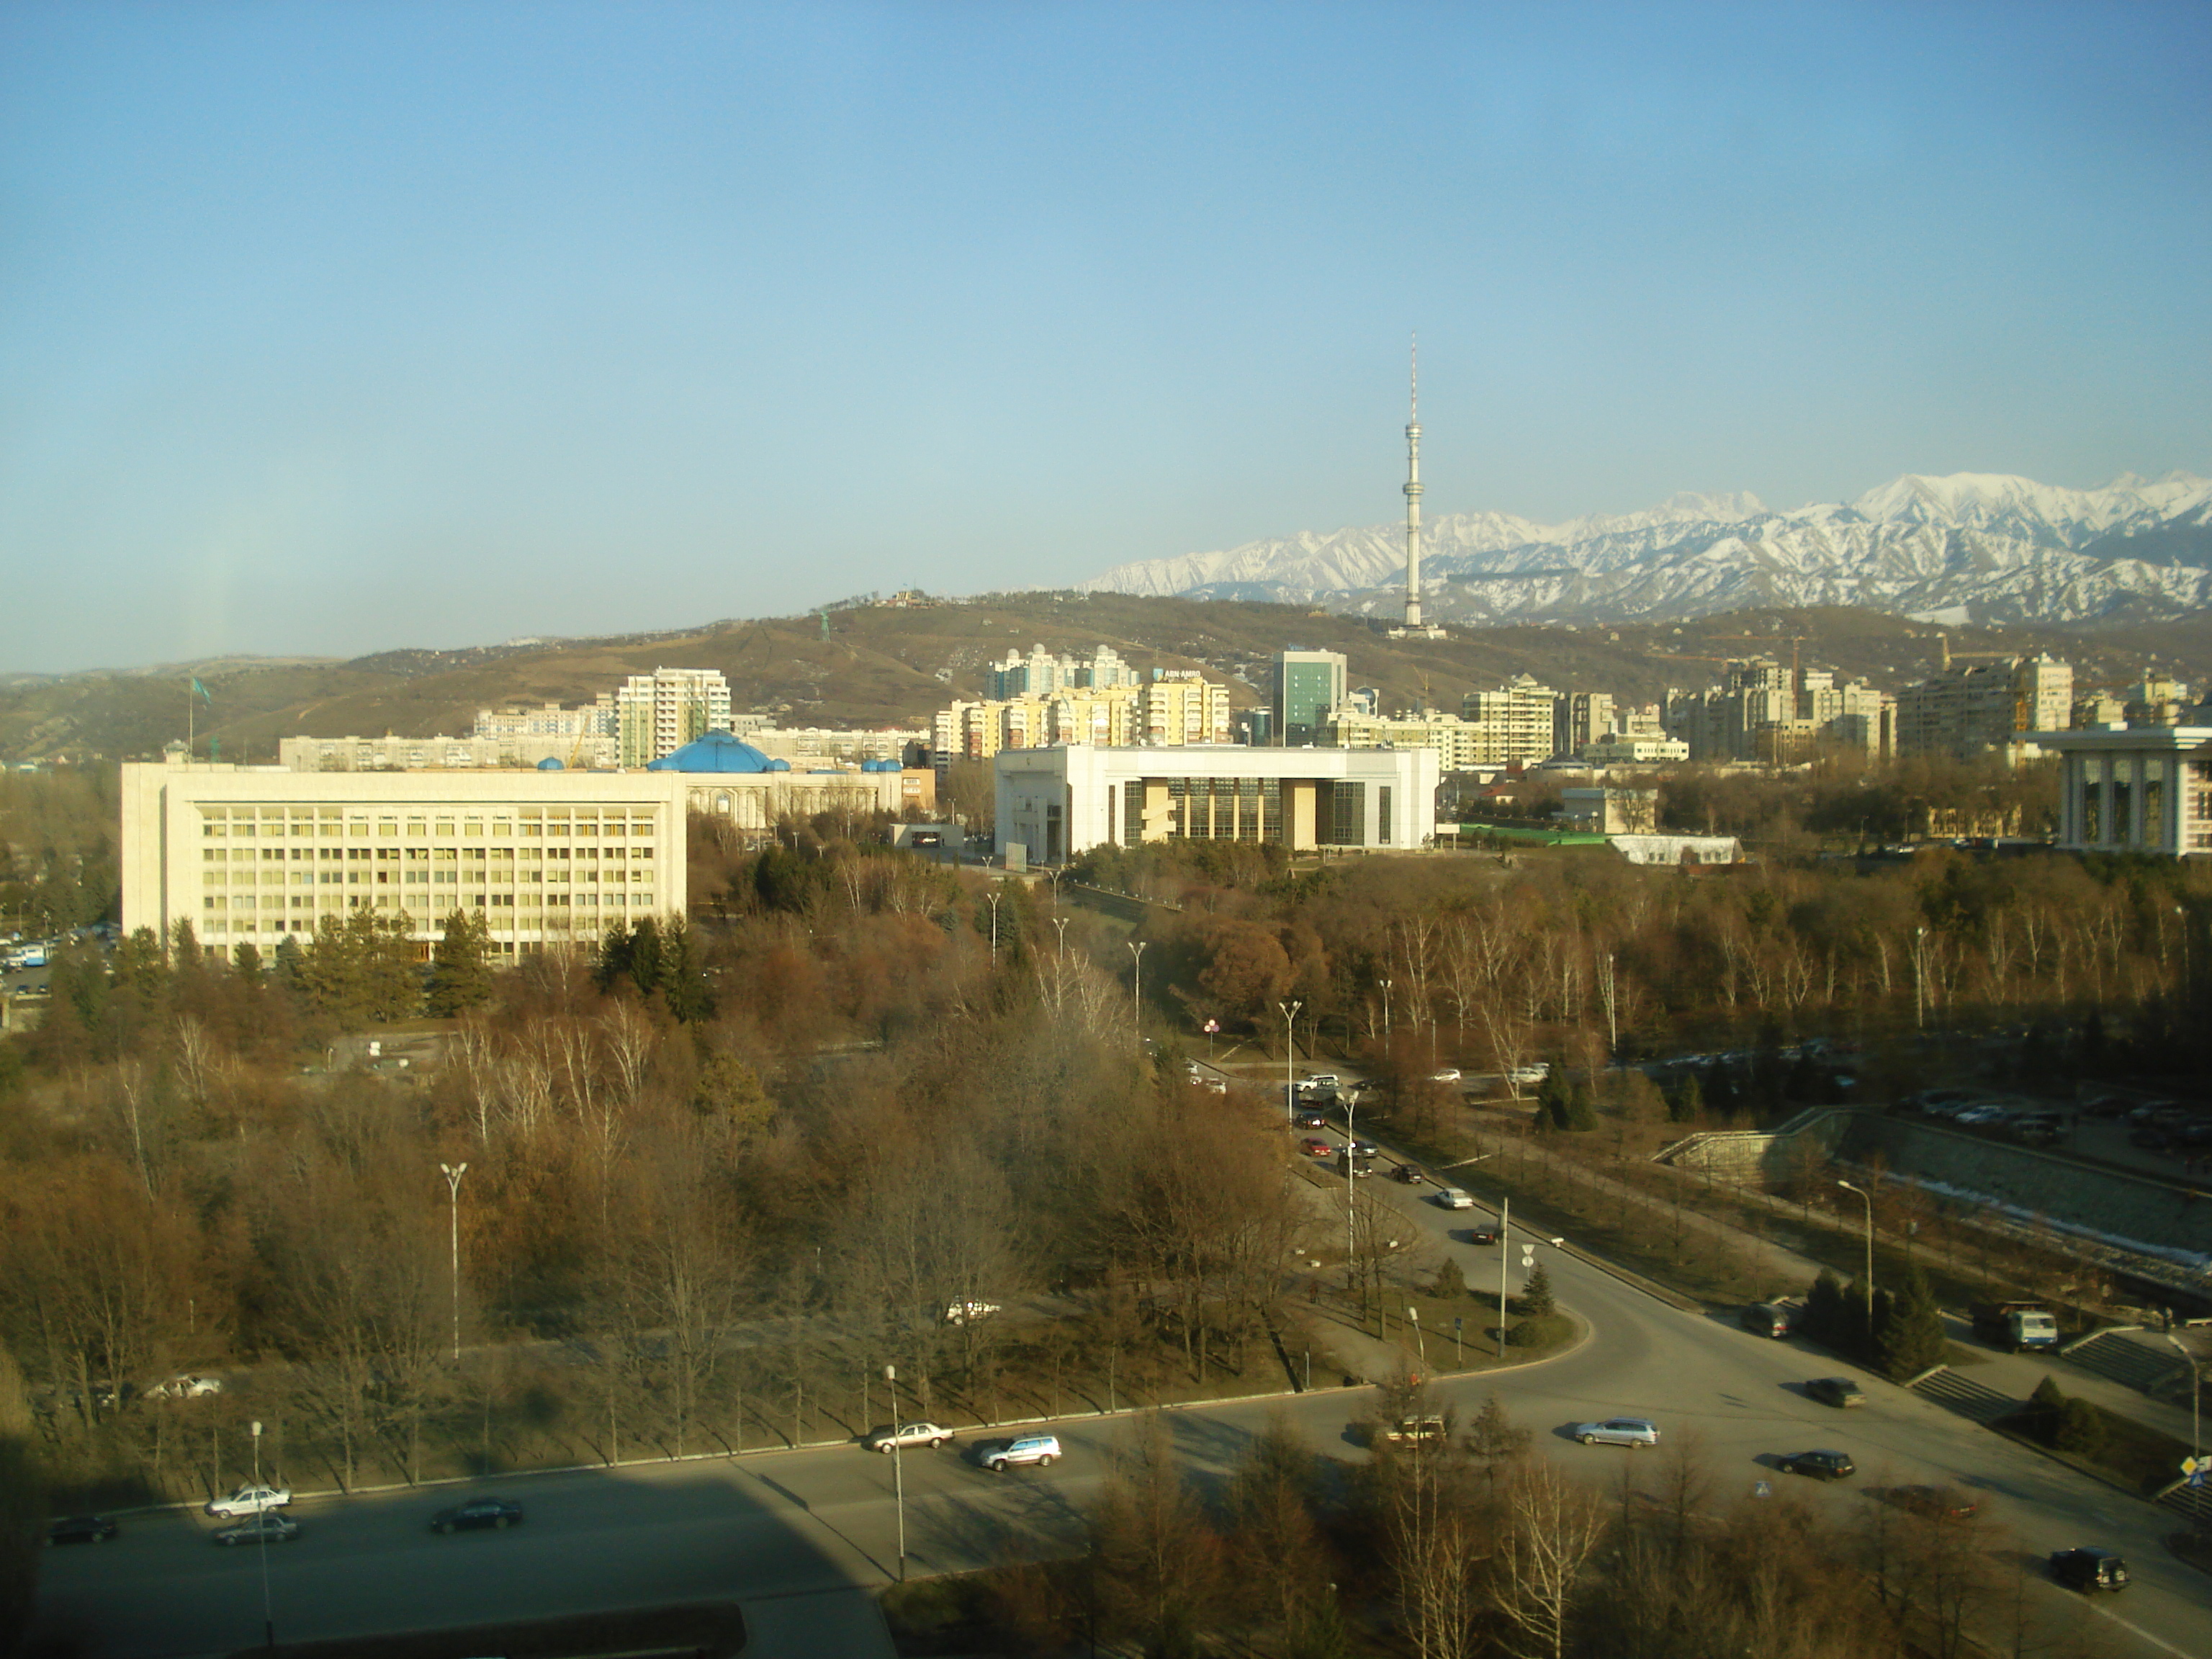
x,y
1971,546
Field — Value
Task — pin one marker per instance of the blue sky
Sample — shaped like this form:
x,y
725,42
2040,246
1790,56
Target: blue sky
x,y
333,328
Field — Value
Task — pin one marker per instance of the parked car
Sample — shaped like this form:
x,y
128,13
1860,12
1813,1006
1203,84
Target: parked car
x,y
479,1515
1617,1431
1314,1147
959,1313
1315,1083
1042,1449
1448,1075
1416,1431
1820,1465
266,1527
1936,1503
1835,1391
187,1387
1455,1198
250,1500
2089,1569
82,1529
1535,1073
886,1438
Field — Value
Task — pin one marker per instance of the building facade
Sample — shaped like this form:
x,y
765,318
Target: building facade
x,y
1310,685
1515,721
657,713
1975,708
254,854
1056,803
2134,789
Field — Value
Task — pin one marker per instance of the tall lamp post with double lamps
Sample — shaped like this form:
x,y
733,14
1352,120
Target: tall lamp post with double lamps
x,y
1290,1053
1866,1198
1137,987
453,1172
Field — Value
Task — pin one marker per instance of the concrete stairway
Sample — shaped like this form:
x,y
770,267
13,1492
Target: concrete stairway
x,y
2139,1358
1955,1392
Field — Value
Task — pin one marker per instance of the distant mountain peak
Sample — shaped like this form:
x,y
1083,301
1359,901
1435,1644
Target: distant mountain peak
x,y
1995,545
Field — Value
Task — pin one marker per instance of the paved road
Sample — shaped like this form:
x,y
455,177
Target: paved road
x,y
806,1530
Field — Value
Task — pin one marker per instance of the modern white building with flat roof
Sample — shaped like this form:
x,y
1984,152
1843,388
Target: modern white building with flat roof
x,y
2133,788
1057,802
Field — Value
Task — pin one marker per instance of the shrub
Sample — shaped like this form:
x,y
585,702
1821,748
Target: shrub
x,y
1536,1301
2046,1406
2081,1430
1546,1330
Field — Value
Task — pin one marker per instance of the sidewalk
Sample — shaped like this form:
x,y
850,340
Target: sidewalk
x,y
2015,1375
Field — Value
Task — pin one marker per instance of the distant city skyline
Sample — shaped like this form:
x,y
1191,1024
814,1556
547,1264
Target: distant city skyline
x,y
331,330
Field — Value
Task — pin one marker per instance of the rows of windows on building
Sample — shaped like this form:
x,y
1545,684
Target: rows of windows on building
x,y
267,870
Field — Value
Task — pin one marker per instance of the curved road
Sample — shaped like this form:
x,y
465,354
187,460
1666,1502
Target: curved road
x,y
799,1535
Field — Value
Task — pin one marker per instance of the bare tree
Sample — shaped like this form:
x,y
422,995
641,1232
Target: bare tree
x,y
1550,1530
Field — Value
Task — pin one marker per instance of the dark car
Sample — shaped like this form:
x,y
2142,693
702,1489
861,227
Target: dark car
x,y
1483,1236
1835,1391
495,1513
1313,1120
2089,1569
1408,1174
1821,1465
1936,1503
82,1529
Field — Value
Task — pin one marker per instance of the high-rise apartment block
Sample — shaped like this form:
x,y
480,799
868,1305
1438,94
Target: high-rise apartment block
x,y
1973,708
1580,718
1516,721
1040,674
1310,685
1778,716
1175,707
657,713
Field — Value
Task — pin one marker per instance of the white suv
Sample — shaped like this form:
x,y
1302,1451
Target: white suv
x,y
1042,1449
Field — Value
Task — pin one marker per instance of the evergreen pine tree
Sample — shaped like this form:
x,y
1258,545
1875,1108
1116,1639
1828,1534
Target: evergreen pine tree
x,y
1687,1101
460,965
645,955
1911,1339
613,961
682,976
1537,1301
1825,1320
246,961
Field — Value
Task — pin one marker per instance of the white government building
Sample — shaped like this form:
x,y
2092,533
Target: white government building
x,y
548,856
1056,803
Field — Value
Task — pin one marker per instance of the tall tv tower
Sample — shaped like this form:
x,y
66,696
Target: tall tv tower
x,y
1413,628
1413,494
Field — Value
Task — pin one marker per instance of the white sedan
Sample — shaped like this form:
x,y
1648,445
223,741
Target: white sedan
x,y
250,1500
907,1434
1449,1074
1617,1431
1455,1197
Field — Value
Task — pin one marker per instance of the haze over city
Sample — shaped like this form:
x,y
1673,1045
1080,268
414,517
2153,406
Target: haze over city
x,y
330,330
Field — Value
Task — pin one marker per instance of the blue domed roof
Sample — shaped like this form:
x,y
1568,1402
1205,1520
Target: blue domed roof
x,y
551,764
716,751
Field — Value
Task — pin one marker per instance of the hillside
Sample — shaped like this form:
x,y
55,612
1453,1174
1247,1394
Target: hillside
x,y
883,666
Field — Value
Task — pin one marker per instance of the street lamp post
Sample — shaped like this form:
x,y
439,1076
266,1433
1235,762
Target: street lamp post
x,y
1504,1250
453,1172
2196,1509
1351,1161
1413,1318
1386,1011
1866,1198
1060,923
1290,1053
261,1533
1920,979
993,897
1137,990
898,1468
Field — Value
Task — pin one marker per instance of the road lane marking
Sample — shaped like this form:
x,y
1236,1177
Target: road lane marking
x,y
2138,1630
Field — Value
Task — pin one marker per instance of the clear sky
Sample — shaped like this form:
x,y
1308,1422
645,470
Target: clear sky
x,y
331,328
